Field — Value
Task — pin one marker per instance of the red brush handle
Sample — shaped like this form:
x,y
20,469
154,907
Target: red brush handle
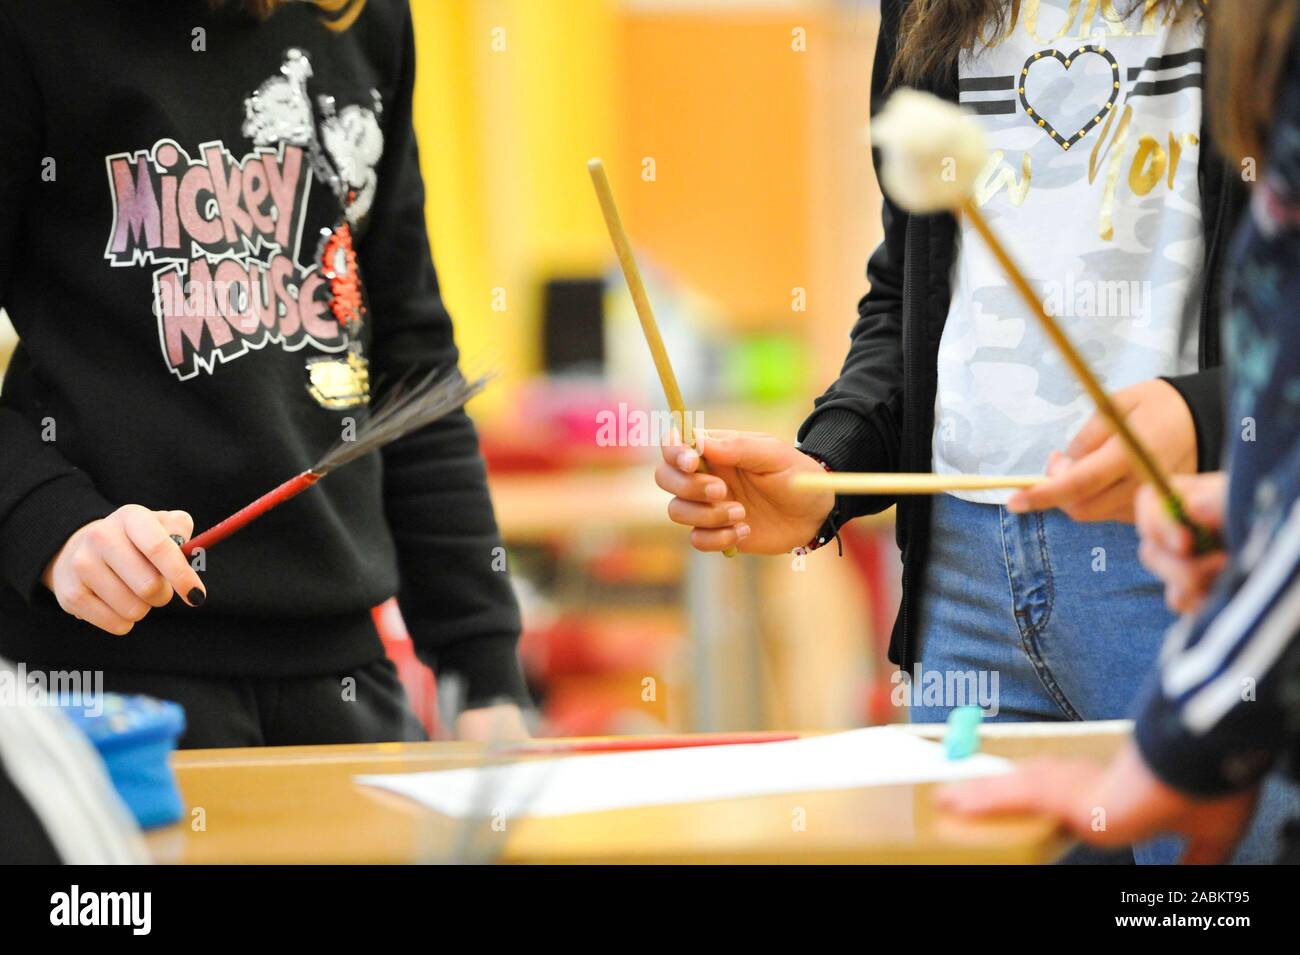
x,y
245,516
636,743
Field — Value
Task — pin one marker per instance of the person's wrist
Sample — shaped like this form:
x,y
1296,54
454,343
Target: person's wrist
x,y
47,575
827,528
1177,410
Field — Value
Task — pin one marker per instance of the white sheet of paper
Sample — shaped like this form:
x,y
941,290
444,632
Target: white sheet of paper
x,y
877,756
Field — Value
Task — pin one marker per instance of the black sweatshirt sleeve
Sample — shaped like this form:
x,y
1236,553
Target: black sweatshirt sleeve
x,y
1204,393
43,498
856,423
459,608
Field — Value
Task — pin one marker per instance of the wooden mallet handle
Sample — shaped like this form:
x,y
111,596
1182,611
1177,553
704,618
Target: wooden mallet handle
x,y
856,482
1205,539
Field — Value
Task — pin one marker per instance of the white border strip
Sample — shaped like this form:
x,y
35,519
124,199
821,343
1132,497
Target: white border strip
x,y
1030,730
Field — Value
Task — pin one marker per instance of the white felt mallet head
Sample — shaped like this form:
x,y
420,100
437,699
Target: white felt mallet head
x,y
932,151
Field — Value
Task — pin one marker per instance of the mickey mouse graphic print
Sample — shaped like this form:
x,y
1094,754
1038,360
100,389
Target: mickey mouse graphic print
x,y
222,228
1092,110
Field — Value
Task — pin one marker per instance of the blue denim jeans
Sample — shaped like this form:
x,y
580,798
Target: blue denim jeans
x,y
1063,622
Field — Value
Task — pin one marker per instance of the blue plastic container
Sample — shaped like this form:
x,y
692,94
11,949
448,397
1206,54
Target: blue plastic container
x,y
135,735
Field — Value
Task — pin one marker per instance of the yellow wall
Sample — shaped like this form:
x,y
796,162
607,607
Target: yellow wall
x,y
719,101
512,98
763,179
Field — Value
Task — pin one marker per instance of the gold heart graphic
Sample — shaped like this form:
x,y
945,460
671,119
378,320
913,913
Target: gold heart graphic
x,y
1047,127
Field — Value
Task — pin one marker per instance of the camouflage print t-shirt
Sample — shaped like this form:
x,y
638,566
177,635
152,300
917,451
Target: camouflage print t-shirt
x,y
1092,112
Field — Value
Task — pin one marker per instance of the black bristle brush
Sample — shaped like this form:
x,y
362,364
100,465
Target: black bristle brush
x,y
409,407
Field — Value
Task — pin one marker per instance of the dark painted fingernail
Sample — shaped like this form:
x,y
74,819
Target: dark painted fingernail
x,y
180,541
197,597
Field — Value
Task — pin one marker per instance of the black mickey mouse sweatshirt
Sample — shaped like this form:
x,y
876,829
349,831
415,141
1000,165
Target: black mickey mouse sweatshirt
x,y
213,247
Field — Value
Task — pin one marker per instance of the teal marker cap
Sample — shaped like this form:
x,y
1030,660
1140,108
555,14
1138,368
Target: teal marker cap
x,y
963,738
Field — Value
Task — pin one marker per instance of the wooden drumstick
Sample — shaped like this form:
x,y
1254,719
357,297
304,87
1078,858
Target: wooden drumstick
x,y
644,312
849,482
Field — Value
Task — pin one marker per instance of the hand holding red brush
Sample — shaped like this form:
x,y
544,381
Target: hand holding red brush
x,y
113,571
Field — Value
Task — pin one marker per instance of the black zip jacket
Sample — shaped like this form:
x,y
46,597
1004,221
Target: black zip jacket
x,y
879,414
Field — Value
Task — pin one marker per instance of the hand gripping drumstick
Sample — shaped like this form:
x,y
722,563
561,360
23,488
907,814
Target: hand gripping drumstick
x,y
614,222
